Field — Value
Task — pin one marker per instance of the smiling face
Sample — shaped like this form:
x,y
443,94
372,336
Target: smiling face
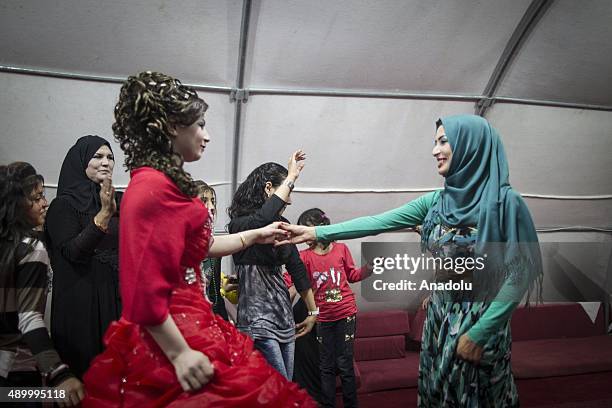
x,y
190,141
36,206
101,165
442,151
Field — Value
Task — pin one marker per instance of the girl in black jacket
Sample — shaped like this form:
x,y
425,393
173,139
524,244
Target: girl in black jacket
x,y
264,307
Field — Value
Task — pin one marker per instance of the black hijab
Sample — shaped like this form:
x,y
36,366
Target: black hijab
x,y
74,185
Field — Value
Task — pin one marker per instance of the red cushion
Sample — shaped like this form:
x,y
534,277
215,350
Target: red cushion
x,y
554,321
383,323
416,325
557,357
377,375
380,348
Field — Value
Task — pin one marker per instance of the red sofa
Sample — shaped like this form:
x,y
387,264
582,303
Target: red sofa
x,y
380,351
558,340
559,356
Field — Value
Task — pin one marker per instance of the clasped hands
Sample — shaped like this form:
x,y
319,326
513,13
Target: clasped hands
x,y
294,234
281,233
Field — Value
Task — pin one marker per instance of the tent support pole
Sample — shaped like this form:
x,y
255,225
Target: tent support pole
x,y
532,16
239,95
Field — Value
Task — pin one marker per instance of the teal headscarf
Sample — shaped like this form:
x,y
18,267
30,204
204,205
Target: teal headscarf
x,y
477,192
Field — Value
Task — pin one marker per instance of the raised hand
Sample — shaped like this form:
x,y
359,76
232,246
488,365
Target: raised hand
x,y
109,205
296,164
107,197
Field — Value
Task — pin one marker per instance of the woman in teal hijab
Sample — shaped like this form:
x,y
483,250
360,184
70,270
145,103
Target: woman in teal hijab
x,y
465,349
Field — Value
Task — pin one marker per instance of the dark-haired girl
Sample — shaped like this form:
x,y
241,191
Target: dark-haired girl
x,y
27,354
264,306
211,267
331,268
169,348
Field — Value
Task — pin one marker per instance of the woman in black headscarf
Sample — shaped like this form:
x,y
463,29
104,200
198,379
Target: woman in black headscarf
x,y
82,232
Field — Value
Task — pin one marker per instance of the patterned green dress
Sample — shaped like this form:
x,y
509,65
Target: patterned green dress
x,y
444,379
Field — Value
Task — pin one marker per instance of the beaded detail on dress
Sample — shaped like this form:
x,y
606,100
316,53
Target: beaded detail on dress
x,y
190,276
451,242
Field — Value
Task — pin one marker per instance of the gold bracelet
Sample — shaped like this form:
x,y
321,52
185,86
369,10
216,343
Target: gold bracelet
x,y
244,244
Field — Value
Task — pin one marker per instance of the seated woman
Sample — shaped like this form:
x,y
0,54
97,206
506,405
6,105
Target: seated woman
x,y
27,354
465,355
169,348
83,238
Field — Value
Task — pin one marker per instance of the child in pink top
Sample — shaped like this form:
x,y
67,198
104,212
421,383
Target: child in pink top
x,y
331,268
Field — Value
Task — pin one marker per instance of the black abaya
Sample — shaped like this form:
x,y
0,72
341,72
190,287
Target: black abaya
x,y
84,261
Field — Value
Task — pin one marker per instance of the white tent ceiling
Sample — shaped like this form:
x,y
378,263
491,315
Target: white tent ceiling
x,y
356,83
195,40
434,46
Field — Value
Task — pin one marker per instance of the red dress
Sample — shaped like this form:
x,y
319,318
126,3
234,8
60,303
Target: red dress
x,y
163,237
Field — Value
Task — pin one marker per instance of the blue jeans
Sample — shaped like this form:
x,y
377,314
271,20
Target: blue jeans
x,y
278,355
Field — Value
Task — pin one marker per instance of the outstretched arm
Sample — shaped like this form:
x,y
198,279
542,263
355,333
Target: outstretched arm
x,y
408,215
354,274
229,244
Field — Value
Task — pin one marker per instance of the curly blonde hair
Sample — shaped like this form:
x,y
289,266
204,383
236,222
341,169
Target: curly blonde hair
x,y
149,104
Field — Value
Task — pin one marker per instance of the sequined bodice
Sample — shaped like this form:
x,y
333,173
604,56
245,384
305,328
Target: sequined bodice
x,y
196,250
197,244
451,242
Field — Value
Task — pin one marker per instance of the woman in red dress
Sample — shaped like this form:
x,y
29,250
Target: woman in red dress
x,y
169,348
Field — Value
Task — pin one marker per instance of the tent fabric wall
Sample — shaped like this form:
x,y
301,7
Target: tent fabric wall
x,y
382,45
556,151
394,67
352,142
565,59
197,41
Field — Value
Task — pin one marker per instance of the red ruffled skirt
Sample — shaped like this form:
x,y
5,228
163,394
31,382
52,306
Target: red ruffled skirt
x,y
134,372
